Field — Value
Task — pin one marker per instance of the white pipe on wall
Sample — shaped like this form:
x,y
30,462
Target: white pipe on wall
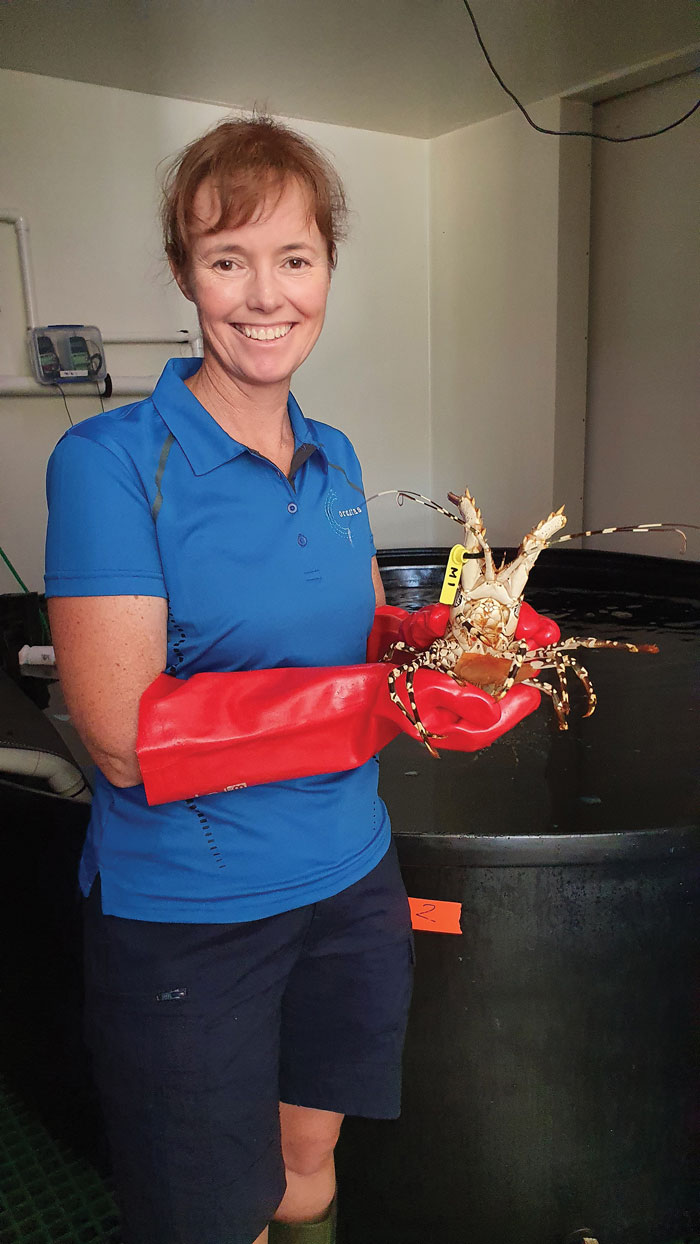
x,y
64,778
122,386
25,265
183,338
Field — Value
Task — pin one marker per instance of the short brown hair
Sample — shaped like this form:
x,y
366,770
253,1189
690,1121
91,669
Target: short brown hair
x,y
247,160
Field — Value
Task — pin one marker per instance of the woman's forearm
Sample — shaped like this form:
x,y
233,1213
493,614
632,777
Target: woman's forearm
x,y
108,650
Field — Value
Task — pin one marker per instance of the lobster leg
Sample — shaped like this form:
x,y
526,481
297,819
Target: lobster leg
x,y
413,716
560,664
518,660
425,735
555,697
394,696
561,661
568,645
584,677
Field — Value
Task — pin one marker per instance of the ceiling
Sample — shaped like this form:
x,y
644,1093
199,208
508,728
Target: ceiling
x,y
402,66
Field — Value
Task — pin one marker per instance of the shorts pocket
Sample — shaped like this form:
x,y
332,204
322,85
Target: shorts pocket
x,y
155,1045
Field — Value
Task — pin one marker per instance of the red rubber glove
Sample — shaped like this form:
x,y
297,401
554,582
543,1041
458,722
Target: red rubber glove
x,y
418,629
385,630
535,628
421,629
220,731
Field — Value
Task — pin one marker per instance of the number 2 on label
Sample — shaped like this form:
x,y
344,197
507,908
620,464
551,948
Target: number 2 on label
x,y
435,915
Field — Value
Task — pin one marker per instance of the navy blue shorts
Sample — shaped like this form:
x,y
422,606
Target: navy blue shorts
x,y
197,1031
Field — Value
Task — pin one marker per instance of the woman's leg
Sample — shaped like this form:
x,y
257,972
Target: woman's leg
x,y
183,1022
344,1014
309,1138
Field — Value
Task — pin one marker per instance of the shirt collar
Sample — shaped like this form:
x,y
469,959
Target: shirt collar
x,y
203,441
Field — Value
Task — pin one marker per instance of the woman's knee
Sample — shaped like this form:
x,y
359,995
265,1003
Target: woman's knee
x,y
308,1137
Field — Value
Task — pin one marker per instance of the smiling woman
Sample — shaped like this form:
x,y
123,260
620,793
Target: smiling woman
x,y
248,940
260,290
252,216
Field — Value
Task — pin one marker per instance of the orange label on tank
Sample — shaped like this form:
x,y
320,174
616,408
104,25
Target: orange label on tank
x,y
432,915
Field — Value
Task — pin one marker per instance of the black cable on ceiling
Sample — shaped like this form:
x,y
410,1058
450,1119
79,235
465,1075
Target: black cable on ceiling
x,y
541,129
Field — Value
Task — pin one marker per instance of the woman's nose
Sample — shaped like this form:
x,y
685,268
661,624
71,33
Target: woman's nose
x,y
263,292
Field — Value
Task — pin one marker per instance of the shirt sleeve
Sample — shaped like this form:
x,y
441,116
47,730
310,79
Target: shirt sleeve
x,y
355,473
101,538
370,536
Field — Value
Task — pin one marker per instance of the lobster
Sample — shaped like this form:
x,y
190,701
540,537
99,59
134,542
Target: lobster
x,y
479,644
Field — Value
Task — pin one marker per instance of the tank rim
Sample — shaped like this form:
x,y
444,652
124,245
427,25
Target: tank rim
x,y
547,850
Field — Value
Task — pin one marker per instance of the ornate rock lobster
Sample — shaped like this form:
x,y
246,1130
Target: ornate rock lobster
x,y
479,644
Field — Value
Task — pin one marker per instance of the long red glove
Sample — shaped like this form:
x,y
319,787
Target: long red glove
x,y
219,731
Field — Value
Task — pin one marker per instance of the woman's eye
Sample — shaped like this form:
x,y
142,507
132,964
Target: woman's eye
x,y
225,265
296,263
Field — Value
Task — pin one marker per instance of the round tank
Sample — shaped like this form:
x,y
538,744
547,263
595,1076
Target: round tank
x,y
551,1063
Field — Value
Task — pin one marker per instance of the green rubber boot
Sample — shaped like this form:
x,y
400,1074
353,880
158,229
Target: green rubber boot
x,y
305,1232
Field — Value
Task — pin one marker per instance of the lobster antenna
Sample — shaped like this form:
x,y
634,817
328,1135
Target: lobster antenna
x,y
405,493
641,527
402,493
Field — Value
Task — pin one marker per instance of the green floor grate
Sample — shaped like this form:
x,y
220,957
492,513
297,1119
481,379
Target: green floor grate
x,y
48,1195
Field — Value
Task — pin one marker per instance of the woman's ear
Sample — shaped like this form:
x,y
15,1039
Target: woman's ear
x,y
180,279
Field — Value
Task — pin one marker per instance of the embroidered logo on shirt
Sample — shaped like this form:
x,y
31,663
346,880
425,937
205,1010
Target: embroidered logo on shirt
x,y
334,515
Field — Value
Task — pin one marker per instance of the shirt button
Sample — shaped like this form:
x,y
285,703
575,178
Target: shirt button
x,y
302,540
292,508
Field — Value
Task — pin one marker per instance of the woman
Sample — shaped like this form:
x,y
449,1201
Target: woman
x,y
248,943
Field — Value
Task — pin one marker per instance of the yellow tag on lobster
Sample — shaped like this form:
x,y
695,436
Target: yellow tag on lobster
x,y
450,582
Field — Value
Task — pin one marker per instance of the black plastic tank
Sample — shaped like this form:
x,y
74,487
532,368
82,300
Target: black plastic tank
x,y
551,1065
42,1055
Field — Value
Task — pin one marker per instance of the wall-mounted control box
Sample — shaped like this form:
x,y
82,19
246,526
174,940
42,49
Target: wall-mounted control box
x,y
61,353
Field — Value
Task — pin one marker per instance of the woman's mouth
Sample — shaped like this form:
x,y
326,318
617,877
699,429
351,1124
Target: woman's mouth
x,y
263,332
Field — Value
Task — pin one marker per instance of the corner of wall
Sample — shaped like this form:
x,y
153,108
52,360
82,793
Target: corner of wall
x,y
573,247
429,343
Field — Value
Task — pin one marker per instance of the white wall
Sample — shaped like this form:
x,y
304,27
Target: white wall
x,y
456,342
508,240
80,162
643,449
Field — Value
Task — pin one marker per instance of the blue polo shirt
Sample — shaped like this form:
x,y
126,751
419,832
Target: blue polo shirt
x,y
260,571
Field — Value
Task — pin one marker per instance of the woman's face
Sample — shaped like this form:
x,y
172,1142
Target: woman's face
x,y
260,289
